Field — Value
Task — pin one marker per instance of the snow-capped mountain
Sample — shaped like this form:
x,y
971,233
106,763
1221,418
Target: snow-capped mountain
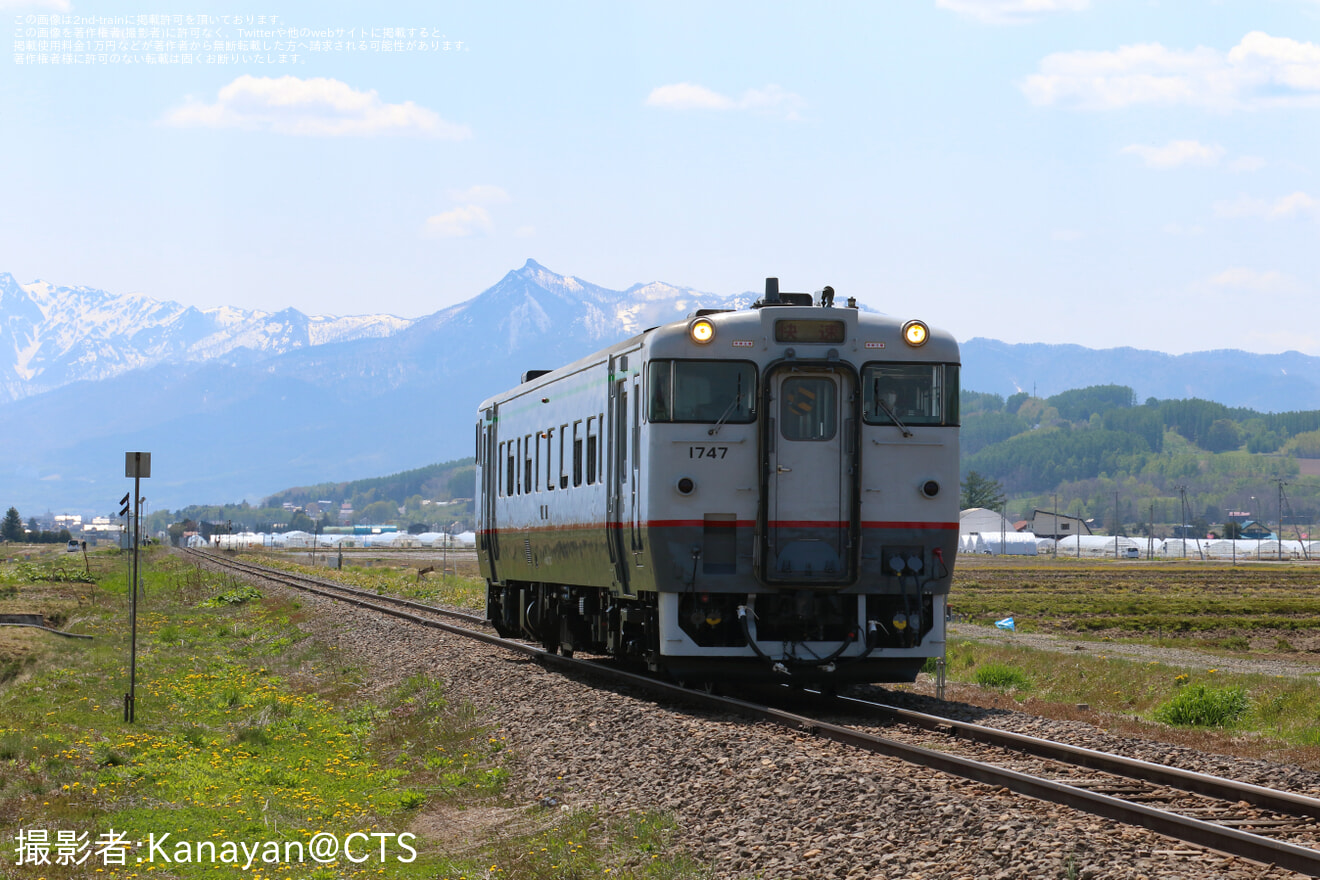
x,y
51,336
227,427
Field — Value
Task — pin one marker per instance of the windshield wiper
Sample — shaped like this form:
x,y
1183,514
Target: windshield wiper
x,y
880,402
728,410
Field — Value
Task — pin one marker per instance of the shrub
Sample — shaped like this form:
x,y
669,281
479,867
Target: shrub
x,y
236,596
1201,706
1001,676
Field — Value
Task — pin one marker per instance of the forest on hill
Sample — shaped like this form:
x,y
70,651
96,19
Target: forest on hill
x,y
1086,447
435,496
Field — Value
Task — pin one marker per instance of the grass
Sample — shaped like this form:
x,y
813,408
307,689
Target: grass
x,y
250,731
1000,676
459,589
1204,706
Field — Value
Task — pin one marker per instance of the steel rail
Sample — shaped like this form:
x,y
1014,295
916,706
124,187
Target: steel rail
x,y
1133,768
1229,841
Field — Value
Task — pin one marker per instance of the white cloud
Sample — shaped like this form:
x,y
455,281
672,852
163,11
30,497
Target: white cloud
x,y
481,194
1176,153
461,222
770,100
1254,281
1010,11
688,96
317,107
1066,235
1282,208
471,216
1259,72
1247,163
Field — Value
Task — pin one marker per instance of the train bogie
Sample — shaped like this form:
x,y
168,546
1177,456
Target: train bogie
x,y
742,494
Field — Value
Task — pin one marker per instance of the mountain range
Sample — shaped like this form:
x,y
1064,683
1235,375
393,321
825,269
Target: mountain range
x,y
51,336
236,405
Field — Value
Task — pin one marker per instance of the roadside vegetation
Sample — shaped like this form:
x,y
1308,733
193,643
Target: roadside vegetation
x,y
248,730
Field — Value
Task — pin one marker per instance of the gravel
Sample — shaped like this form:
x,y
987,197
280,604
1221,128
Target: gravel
x,y
756,801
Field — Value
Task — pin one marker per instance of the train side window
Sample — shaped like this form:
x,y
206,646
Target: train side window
x,y
661,373
577,453
549,459
952,395
527,464
517,466
509,470
591,450
563,474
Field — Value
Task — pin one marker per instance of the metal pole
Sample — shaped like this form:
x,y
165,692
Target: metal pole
x,y
130,701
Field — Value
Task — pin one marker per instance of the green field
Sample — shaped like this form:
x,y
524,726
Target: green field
x,y
1173,600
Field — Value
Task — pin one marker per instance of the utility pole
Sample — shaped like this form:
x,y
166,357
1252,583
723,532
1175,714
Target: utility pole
x,y
1056,525
1150,535
138,466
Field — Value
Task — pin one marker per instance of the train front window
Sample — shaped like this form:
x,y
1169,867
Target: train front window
x,y
915,394
702,391
807,408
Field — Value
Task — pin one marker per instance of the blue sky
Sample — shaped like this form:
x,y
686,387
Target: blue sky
x,y
1101,172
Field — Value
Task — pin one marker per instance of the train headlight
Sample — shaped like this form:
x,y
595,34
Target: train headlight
x,y
930,488
702,331
915,333
685,486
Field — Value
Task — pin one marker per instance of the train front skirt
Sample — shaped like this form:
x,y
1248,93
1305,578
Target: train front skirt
x,y
865,646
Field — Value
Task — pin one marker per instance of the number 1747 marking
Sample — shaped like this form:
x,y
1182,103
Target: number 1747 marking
x,y
707,451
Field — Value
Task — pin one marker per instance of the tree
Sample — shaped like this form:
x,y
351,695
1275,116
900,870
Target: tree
x,y
1222,435
979,491
1232,530
12,528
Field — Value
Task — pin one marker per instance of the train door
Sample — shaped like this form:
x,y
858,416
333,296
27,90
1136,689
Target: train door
x,y
617,468
490,491
809,498
635,470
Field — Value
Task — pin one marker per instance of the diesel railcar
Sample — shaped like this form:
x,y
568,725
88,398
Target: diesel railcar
x,y
745,494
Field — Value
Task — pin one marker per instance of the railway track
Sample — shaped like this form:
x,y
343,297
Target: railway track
x,y
1253,822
